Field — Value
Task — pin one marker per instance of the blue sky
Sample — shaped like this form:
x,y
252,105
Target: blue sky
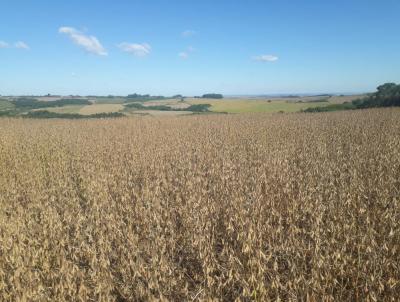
x,y
194,47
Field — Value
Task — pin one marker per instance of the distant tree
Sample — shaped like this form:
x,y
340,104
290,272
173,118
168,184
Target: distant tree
x,y
212,96
138,96
144,97
30,103
198,108
387,87
387,95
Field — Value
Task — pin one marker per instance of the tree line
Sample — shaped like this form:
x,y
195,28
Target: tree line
x,y
387,95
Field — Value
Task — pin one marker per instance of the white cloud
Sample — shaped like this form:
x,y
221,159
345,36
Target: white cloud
x,y
139,50
188,33
4,44
21,45
183,55
266,58
89,43
186,54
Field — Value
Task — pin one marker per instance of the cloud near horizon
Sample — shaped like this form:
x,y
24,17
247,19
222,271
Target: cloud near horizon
x,y
266,58
138,50
90,43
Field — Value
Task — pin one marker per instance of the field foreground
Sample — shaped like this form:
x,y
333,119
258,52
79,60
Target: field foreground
x,y
196,208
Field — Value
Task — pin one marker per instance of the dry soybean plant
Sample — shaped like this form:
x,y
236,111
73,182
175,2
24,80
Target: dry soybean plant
x,y
258,207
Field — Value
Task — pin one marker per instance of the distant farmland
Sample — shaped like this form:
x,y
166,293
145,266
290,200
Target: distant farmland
x,y
100,108
254,106
96,105
271,105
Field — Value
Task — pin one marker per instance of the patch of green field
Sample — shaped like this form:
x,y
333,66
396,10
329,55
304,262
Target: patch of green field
x,y
158,112
252,106
100,108
65,109
108,100
6,105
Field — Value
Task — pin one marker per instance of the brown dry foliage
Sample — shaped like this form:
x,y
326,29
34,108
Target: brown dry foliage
x,y
206,208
